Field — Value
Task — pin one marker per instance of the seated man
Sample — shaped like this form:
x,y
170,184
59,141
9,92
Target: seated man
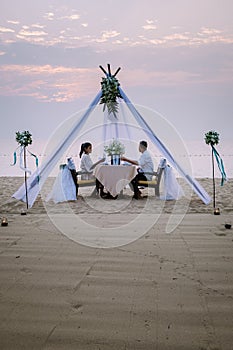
x,y
145,163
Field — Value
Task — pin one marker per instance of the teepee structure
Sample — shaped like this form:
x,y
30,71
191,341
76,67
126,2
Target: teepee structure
x,y
115,124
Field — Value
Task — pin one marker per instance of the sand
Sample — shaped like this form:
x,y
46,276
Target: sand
x,y
161,291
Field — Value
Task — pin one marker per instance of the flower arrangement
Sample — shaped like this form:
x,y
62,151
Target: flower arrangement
x,y
212,138
24,138
115,147
110,92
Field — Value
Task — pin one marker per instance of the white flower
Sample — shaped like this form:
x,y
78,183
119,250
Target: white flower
x,y
115,147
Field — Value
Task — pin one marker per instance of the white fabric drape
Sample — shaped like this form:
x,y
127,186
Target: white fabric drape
x,y
167,154
171,188
63,188
34,186
43,172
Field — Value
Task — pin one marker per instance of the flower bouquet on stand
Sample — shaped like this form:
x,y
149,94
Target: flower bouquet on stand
x,y
24,139
212,139
115,150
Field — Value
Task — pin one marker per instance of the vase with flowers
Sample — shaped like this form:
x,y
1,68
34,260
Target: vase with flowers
x,y
115,150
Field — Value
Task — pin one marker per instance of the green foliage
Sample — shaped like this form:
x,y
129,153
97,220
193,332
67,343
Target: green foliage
x,y
212,138
110,92
24,138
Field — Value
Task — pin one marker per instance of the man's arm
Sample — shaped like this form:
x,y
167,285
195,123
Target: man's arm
x,y
134,162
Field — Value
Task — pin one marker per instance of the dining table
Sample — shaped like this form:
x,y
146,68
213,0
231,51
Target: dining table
x,y
115,177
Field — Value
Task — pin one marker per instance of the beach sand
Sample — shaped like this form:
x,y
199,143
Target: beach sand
x,y
161,291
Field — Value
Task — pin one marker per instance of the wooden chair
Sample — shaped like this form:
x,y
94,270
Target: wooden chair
x,y
156,179
85,183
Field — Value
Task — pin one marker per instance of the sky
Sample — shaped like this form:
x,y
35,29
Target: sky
x,y
176,57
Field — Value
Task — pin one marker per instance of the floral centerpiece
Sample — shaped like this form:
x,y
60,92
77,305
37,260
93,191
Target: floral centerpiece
x,y
115,149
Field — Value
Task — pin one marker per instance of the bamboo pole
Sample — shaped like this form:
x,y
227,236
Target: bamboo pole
x,y
25,175
213,178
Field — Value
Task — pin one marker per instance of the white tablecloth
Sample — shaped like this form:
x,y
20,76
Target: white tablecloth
x,y
115,177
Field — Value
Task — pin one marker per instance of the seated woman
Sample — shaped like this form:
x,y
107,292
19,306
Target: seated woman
x,y
87,166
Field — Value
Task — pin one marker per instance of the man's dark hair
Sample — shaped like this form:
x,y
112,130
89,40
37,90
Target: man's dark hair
x,y
143,143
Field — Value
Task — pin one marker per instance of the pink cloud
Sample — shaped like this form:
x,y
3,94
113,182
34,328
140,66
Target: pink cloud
x,y
47,83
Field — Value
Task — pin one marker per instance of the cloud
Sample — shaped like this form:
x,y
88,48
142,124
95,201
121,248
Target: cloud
x,y
107,34
64,84
33,36
73,17
150,25
23,33
49,16
209,31
13,22
39,26
6,30
176,36
47,83
110,34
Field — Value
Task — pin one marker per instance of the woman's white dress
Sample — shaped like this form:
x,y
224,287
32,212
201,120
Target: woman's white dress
x,y
86,164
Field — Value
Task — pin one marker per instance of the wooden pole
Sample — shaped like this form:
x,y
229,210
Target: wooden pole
x,y
109,70
213,178
116,71
103,70
25,175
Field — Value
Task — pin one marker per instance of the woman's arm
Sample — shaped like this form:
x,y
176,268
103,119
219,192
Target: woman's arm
x,y
98,162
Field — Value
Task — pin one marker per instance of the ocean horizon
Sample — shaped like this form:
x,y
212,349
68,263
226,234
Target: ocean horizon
x,y
198,154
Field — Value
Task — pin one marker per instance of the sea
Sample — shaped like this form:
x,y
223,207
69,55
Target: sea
x,y
198,153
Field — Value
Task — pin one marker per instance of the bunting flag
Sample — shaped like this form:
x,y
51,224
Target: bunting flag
x,y
220,165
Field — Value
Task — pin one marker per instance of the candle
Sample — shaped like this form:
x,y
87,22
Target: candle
x,y
4,222
216,211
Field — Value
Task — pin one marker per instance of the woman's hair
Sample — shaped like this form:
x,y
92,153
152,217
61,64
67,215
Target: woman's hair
x,y
84,146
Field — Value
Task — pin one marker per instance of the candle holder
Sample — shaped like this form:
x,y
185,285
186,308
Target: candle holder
x,y
216,211
4,221
228,226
